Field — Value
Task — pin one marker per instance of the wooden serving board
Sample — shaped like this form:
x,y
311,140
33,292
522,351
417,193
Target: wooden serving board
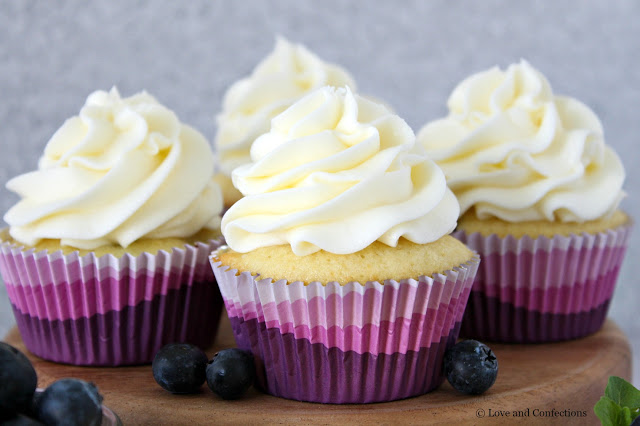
x,y
532,378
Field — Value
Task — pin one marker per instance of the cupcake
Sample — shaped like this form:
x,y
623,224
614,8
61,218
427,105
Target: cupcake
x,y
339,274
286,75
106,256
539,192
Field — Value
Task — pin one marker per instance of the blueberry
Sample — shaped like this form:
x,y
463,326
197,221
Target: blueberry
x,y
180,367
32,410
21,420
231,372
18,381
70,402
471,367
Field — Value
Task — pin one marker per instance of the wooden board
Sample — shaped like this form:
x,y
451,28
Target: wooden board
x,y
561,376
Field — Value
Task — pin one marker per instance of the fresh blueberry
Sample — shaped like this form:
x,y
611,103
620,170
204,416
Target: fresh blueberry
x,y
32,410
471,367
231,372
70,402
21,420
18,381
180,367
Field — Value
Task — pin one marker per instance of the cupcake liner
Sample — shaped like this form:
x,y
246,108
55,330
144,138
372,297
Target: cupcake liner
x,y
536,290
88,310
350,343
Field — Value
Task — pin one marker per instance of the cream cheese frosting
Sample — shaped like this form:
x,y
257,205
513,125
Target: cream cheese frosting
x,y
123,169
512,149
337,172
286,75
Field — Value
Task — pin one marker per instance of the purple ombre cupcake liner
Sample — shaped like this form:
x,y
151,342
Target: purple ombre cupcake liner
x,y
349,343
107,310
537,290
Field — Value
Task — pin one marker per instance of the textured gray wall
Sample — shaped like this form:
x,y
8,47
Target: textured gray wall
x,y
52,55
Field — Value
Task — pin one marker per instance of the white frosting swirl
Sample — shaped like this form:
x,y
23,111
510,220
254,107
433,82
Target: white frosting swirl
x,y
287,74
122,170
513,150
335,173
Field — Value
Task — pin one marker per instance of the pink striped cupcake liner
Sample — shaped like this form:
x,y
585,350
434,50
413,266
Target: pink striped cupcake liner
x,y
536,290
109,311
352,343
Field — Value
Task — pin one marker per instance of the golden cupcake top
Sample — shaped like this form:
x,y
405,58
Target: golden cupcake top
x,y
376,262
124,169
135,249
469,223
512,149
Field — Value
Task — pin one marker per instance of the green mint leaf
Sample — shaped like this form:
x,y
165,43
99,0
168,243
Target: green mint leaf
x,y
623,393
624,418
608,411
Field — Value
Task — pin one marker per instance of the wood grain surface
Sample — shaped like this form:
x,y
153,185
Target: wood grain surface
x,y
533,379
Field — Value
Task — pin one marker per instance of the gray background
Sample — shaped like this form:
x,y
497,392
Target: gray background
x,y
410,54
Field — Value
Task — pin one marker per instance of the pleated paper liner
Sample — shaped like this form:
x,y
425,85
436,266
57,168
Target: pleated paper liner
x,y
109,310
537,290
350,343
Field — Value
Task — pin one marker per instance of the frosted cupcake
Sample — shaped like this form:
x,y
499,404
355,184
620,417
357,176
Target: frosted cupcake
x,y
286,75
106,255
539,191
340,275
